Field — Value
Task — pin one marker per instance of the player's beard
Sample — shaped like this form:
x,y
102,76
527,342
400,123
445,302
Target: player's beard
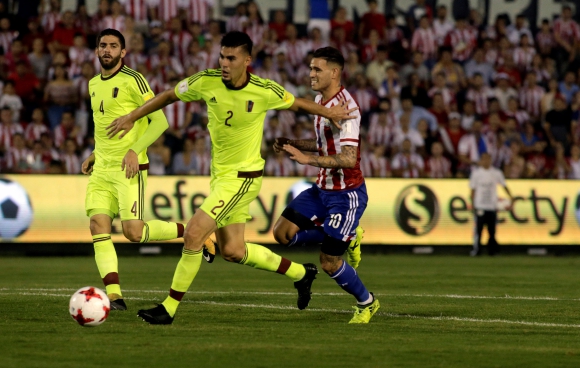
x,y
108,65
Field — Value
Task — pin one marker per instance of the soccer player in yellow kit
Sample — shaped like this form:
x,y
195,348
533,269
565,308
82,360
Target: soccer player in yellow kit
x,y
237,103
115,92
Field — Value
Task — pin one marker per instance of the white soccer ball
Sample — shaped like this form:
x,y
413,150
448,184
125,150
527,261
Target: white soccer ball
x,y
15,210
89,306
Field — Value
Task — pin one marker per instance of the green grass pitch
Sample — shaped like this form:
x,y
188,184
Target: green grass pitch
x,y
437,311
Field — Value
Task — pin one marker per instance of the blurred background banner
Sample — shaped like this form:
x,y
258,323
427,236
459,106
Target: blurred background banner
x,y
400,211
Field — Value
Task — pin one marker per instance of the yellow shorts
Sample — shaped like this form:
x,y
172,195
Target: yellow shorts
x,y
230,197
111,193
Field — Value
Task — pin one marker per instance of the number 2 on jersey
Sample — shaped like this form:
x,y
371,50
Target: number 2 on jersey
x,y
102,108
229,117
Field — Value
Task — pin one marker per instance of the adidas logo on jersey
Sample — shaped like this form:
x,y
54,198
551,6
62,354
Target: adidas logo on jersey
x,y
213,100
93,95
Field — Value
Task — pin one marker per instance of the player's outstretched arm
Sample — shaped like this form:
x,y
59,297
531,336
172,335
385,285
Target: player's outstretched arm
x,y
344,160
335,114
302,144
125,123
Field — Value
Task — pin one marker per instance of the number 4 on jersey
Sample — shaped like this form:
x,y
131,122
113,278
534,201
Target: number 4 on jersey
x,y
102,108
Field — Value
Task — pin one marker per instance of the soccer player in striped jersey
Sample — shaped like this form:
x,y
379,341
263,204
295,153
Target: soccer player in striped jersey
x,y
115,92
237,102
339,197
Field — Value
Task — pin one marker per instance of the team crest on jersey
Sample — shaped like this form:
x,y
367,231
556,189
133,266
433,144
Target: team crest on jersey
x,y
249,106
115,92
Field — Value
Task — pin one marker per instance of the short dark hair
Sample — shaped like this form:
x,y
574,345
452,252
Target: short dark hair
x,y
237,39
331,55
112,32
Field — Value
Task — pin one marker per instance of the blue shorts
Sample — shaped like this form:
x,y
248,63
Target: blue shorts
x,y
339,212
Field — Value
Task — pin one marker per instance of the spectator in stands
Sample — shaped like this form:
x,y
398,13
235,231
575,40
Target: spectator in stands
x,y
519,29
568,86
63,35
537,163
415,66
390,87
503,91
425,41
237,22
545,39
471,147
558,121
416,12
78,54
154,38
574,162
529,138
70,158
279,24
340,21
405,132
202,156
67,129
8,128
478,65
373,19
379,165
567,37
450,137
184,162
561,168
159,157
442,25
454,74
17,155
407,164
295,48
60,94
352,67
479,94
439,110
417,113
7,34
462,40
376,69
39,59
36,127
279,165
416,92
469,115
11,100
437,166
531,96
319,18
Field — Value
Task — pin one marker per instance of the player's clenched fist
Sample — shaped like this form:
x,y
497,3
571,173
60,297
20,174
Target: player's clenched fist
x,y
87,166
279,142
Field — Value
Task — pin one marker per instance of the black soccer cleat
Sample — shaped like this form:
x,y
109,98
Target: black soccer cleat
x,y
118,304
156,316
303,285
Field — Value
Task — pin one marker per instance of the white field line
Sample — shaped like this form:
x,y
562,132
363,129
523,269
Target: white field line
x,y
278,307
235,292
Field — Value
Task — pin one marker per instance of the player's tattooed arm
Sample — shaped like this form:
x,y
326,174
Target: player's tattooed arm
x,y
302,144
344,160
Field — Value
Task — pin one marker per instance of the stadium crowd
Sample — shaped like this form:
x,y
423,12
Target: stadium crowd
x,y
434,93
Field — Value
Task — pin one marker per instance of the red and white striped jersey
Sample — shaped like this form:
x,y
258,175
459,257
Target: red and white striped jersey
x,y
256,32
463,42
521,116
531,99
523,57
545,40
171,63
381,134
491,56
61,134
425,41
166,9
368,53
330,139
404,162
34,131
569,30
180,42
77,57
117,23
49,21
295,51
176,113
236,23
438,167
6,39
200,61
72,163
132,59
203,163
7,132
17,158
380,166
345,47
446,93
197,10
364,99
138,9
480,98
365,163
279,167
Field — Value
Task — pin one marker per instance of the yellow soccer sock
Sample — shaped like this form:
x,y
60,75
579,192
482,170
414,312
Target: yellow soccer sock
x,y
185,272
262,258
161,230
106,259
